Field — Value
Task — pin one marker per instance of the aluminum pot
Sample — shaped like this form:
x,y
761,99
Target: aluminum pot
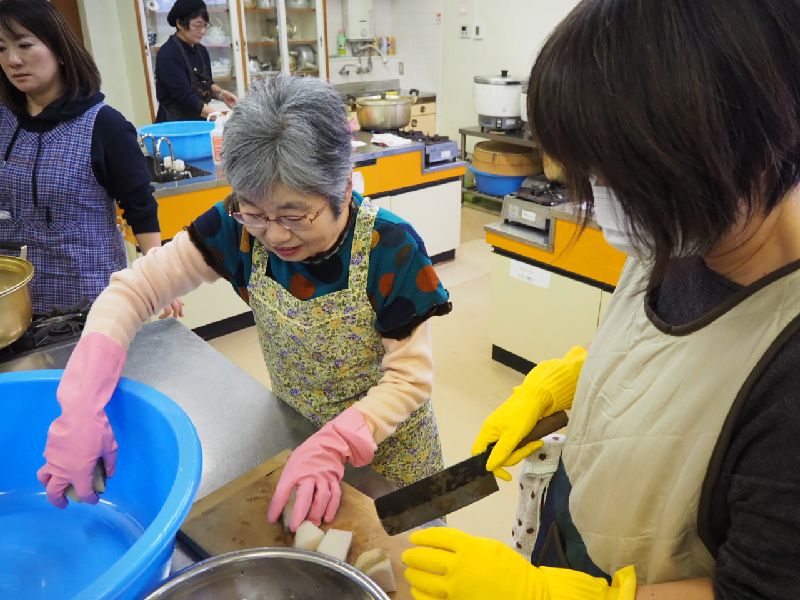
x,y
376,113
15,295
274,573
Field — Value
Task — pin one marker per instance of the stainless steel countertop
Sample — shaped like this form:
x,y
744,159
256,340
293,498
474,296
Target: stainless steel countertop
x,y
360,155
187,186
370,152
351,91
240,422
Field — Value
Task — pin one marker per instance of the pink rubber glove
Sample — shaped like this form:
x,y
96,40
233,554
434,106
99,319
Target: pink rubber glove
x,y
316,468
82,433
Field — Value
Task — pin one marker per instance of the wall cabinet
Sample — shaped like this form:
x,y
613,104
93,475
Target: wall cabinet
x,y
246,40
423,118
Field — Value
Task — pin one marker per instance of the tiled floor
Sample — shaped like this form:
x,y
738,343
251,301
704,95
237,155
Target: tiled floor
x,y
468,383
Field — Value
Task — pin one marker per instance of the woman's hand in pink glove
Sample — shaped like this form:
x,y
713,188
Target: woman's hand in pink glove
x,y
316,468
82,433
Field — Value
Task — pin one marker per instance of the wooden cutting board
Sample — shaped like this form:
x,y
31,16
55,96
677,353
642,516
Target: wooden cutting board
x,y
235,517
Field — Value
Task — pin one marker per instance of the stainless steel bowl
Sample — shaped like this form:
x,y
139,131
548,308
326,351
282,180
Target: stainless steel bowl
x,y
269,574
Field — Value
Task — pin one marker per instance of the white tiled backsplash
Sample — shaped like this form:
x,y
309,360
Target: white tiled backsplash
x,y
418,41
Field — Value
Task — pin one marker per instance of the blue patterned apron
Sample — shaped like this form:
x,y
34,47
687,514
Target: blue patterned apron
x,y
68,221
324,354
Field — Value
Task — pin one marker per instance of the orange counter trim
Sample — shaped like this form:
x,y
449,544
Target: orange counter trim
x,y
401,171
176,212
389,173
588,255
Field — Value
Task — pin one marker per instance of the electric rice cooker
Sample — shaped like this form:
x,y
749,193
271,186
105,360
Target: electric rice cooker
x,y
497,101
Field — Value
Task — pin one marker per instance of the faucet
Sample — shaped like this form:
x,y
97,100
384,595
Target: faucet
x,y
152,142
157,156
345,69
370,47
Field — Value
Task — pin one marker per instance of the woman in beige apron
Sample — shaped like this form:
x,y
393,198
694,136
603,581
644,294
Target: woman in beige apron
x,y
342,294
677,122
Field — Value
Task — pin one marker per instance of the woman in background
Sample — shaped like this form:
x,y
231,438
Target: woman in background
x,y
184,86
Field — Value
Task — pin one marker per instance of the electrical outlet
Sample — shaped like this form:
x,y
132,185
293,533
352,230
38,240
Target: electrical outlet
x,y
465,32
479,31
400,68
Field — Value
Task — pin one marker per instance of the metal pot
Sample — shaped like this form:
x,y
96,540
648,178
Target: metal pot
x,y
15,296
382,113
275,573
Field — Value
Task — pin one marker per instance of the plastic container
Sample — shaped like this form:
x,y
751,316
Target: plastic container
x,y
119,548
496,185
341,43
216,135
191,140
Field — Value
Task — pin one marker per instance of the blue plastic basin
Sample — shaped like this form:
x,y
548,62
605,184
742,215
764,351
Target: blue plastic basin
x,y
191,140
119,548
496,185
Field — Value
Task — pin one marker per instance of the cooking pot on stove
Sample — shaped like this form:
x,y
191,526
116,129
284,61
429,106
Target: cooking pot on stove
x,y
15,295
376,113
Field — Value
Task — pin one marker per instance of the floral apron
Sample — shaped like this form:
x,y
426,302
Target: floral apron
x,y
324,354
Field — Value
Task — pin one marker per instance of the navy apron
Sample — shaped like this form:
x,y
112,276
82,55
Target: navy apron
x,y
51,201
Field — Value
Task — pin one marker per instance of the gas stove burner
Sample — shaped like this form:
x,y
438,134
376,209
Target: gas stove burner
x,y
59,324
538,188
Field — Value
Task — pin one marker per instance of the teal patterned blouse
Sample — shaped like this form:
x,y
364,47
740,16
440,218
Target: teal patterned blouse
x,y
403,286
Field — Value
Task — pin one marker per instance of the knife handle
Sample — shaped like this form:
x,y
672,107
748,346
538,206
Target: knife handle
x,y
545,426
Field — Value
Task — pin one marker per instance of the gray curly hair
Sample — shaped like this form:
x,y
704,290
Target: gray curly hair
x,y
291,131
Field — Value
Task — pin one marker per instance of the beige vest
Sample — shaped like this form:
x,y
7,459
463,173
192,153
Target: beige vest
x,y
650,405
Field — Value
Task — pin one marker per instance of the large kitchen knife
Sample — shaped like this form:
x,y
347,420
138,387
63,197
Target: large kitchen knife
x,y
455,487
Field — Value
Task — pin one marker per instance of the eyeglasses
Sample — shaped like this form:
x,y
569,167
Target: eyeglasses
x,y
198,26
289,223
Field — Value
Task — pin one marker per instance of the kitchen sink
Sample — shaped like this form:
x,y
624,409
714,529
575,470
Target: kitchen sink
x,y
168,176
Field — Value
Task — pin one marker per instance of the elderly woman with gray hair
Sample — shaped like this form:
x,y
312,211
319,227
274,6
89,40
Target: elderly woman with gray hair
x,y
342,294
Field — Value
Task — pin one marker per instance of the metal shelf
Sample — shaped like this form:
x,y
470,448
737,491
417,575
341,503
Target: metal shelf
x,y
474,191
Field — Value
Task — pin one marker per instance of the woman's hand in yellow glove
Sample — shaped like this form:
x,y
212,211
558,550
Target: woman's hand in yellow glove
x,y
548,388
450,564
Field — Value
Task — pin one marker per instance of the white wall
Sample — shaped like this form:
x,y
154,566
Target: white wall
x,y
109,28
418,43
513,30
418,31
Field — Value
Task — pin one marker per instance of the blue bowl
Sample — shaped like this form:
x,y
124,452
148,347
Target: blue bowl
x,y
121,547
496,185
191,140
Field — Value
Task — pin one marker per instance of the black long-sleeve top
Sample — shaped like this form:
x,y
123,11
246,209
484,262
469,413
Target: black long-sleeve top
x,y
755,503
174,85
117,160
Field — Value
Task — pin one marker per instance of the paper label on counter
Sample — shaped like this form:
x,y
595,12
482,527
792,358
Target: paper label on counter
x,y
530,274
528,216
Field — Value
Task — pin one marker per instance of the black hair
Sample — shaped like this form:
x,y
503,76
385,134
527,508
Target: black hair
x,y
184,21
78,70
688,110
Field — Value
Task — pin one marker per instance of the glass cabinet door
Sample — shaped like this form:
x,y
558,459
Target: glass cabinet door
x,y
221,40
285,36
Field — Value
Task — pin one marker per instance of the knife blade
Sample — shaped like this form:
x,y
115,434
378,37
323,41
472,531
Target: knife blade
x,y
450,489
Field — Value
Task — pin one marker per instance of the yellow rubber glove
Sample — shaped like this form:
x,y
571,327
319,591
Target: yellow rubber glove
x,y
548,388
450,564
